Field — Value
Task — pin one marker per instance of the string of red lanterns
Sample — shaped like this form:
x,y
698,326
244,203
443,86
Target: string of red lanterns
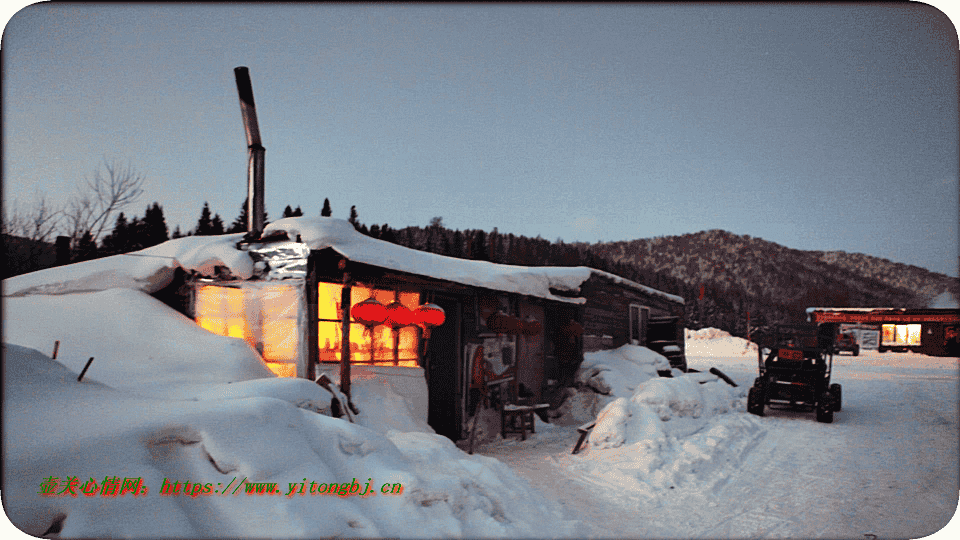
x,y
371,313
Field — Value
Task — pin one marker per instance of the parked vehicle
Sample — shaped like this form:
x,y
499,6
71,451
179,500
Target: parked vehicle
x,y
795,368
846,342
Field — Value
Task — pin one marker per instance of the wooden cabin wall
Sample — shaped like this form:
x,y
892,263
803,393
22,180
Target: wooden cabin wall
x,y
607,312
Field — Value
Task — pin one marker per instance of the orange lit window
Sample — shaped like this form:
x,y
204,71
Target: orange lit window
x,y
263,316
901,334
379,349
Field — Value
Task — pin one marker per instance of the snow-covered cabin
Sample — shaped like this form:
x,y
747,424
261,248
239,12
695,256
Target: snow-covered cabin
x,y
284,295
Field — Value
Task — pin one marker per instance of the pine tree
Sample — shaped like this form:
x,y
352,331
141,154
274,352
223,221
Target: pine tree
x,y
387,234
177,233
297,213
354,218
288,212
216,225
155,227
204,224
239,225
86,248
118,239
326,212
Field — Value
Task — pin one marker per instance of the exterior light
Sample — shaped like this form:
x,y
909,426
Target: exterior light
x,y
398,315
370,312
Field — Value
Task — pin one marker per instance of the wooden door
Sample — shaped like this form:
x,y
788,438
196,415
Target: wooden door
x,y
530,353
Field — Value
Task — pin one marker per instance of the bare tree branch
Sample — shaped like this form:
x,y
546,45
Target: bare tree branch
x,y
113,187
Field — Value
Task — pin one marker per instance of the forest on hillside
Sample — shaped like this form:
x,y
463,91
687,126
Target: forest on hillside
x,y
736,283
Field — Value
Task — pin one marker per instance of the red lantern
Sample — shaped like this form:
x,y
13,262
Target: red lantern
x,y
429,315
370,312
398,315
530,327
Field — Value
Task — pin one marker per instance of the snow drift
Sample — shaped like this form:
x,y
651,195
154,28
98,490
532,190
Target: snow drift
x,y
690,431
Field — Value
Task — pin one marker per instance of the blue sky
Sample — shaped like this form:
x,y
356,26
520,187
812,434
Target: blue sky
x,y
816,127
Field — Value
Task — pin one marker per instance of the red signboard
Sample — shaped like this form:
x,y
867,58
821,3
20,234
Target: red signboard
x,y
884,317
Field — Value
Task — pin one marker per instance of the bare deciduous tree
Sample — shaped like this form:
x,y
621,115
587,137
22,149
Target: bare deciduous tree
x,y
38,223
26,234
113,187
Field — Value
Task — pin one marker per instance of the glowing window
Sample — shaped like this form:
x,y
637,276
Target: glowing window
x,y
263,316
901,334
379,349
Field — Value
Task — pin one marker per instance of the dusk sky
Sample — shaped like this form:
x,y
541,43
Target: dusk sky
x,y
817,127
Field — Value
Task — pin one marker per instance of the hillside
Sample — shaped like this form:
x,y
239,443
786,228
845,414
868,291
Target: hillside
x,y
736,273
742,273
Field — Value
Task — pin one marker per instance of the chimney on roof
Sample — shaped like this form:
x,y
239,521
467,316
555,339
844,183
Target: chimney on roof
x,y
255,154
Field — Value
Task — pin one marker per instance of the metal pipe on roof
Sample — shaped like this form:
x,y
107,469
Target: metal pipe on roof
x,y
255,154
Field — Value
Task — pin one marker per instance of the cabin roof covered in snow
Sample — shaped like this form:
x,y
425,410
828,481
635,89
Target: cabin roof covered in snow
x,y
153,268
320,233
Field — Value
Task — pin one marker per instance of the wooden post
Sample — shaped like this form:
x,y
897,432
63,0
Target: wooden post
x,y
345,340
313,340
85,368
56,347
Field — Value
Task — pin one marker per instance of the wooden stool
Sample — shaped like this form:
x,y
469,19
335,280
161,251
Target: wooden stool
x,y
518,418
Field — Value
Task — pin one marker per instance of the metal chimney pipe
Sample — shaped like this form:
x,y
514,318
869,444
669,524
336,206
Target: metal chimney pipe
x,y
255,154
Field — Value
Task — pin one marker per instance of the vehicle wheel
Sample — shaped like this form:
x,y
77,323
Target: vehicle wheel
x,y
825,408
837,393
856,351
755,402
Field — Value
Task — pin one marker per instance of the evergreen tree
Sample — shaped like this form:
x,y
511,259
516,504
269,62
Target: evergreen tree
x,y
155,227
387,234
239,225
478,251
456,249
216,225
354,218
205,223
118,239
86,248
326,212
375,231
137,235
177,233
297,213
288,212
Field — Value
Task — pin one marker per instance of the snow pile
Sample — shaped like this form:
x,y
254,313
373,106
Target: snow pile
x,y
605,375
715,342
165,401
672,433
138,343
656,433
256,430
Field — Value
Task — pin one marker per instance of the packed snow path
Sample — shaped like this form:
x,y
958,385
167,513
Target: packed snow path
x,y
887,466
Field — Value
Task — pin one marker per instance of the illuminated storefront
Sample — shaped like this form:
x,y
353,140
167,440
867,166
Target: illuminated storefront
x,y
931,331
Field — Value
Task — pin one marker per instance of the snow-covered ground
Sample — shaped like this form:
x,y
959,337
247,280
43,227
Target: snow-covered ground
x,y
887,467
165,400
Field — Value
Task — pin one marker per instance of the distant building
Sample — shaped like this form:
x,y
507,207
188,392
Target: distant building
x,y
931,331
